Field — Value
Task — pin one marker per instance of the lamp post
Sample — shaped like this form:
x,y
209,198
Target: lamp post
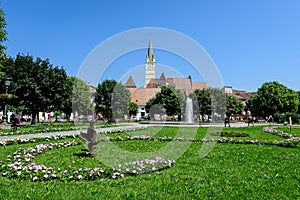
x,y
6,83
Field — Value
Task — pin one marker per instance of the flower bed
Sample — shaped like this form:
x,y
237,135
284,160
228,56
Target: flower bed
x,y
45,129
225,134
34,140
292,142
21,165
143,166
39,130
273,131
58,137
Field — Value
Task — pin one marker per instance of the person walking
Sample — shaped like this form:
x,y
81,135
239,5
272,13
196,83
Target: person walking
x,y
14,123
227,121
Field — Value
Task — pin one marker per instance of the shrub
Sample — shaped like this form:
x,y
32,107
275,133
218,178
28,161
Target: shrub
x,y
279,117
295,117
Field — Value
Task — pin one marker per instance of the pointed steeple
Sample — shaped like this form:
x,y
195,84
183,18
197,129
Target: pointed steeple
x,y
150,54
130,83
162,80
150,69
162,77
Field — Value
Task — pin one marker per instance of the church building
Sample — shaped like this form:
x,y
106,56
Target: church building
x,y
153,84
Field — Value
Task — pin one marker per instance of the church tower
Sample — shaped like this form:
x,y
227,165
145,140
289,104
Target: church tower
x,y
150,64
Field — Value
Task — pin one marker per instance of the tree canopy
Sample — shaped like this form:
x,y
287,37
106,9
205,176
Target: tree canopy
x,y
210,102
3,32
234,105
3,38
202,101
171,99
133,108
81,96
37,85
112,99
273,97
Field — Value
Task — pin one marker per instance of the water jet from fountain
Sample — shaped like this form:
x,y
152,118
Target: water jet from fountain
x,y
189,111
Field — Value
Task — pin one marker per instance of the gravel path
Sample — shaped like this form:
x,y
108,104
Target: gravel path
x,y
124,127
74,132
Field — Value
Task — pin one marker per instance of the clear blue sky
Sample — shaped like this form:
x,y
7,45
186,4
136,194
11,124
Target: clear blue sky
x,y
251,42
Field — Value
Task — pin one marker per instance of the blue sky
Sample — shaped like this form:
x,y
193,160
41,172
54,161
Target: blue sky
x,y
251,42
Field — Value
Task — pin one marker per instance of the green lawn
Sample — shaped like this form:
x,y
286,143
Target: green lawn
x,y
43,127
229,171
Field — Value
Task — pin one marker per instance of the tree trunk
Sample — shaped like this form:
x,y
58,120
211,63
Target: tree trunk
x,y
33,121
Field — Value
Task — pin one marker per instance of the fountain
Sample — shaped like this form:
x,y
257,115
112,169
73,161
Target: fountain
x,y
189,111
188,117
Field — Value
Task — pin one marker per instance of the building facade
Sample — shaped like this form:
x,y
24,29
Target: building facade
x,y
153,85
150,69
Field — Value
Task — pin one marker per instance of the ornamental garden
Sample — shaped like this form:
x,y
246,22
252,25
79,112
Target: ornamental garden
x,y
246,162
111,160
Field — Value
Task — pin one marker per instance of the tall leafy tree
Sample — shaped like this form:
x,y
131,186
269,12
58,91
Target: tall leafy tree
x,y
39,86
298,102
234,105
210,101
3,38
218,102
3,32
273,97
171,99
133,108
66,106
203,100
120,101
112,99
81,96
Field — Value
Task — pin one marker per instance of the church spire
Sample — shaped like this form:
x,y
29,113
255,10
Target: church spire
x,y
130,83
150,54
150,70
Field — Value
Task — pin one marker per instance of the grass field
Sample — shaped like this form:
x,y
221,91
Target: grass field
x,y
229,171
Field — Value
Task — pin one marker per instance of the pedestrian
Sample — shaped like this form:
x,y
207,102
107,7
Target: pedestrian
x,y
14,123
227,121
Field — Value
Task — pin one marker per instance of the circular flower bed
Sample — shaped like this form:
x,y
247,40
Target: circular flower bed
x,y
225,134
273,131
21,165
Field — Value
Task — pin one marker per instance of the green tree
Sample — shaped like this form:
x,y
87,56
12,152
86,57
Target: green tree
x,y
133,108
3,38
273,97
3,32
38,85
171,99
203,100
218,102
211,102
66,106
298,102
120,101
81,96
233,105
112,99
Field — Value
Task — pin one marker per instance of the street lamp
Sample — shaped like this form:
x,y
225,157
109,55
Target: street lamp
x,y
6,83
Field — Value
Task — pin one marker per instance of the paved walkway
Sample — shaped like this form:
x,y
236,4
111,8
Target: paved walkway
x,y
66,133
123,126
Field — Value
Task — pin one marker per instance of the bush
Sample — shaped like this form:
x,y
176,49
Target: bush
x,y
295,117
279,117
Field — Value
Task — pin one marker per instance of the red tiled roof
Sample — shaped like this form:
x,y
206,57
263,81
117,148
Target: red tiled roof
x,y
242,94
200,85
130,83
141,95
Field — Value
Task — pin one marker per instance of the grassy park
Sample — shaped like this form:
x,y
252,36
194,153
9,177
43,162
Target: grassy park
x,y
232,170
